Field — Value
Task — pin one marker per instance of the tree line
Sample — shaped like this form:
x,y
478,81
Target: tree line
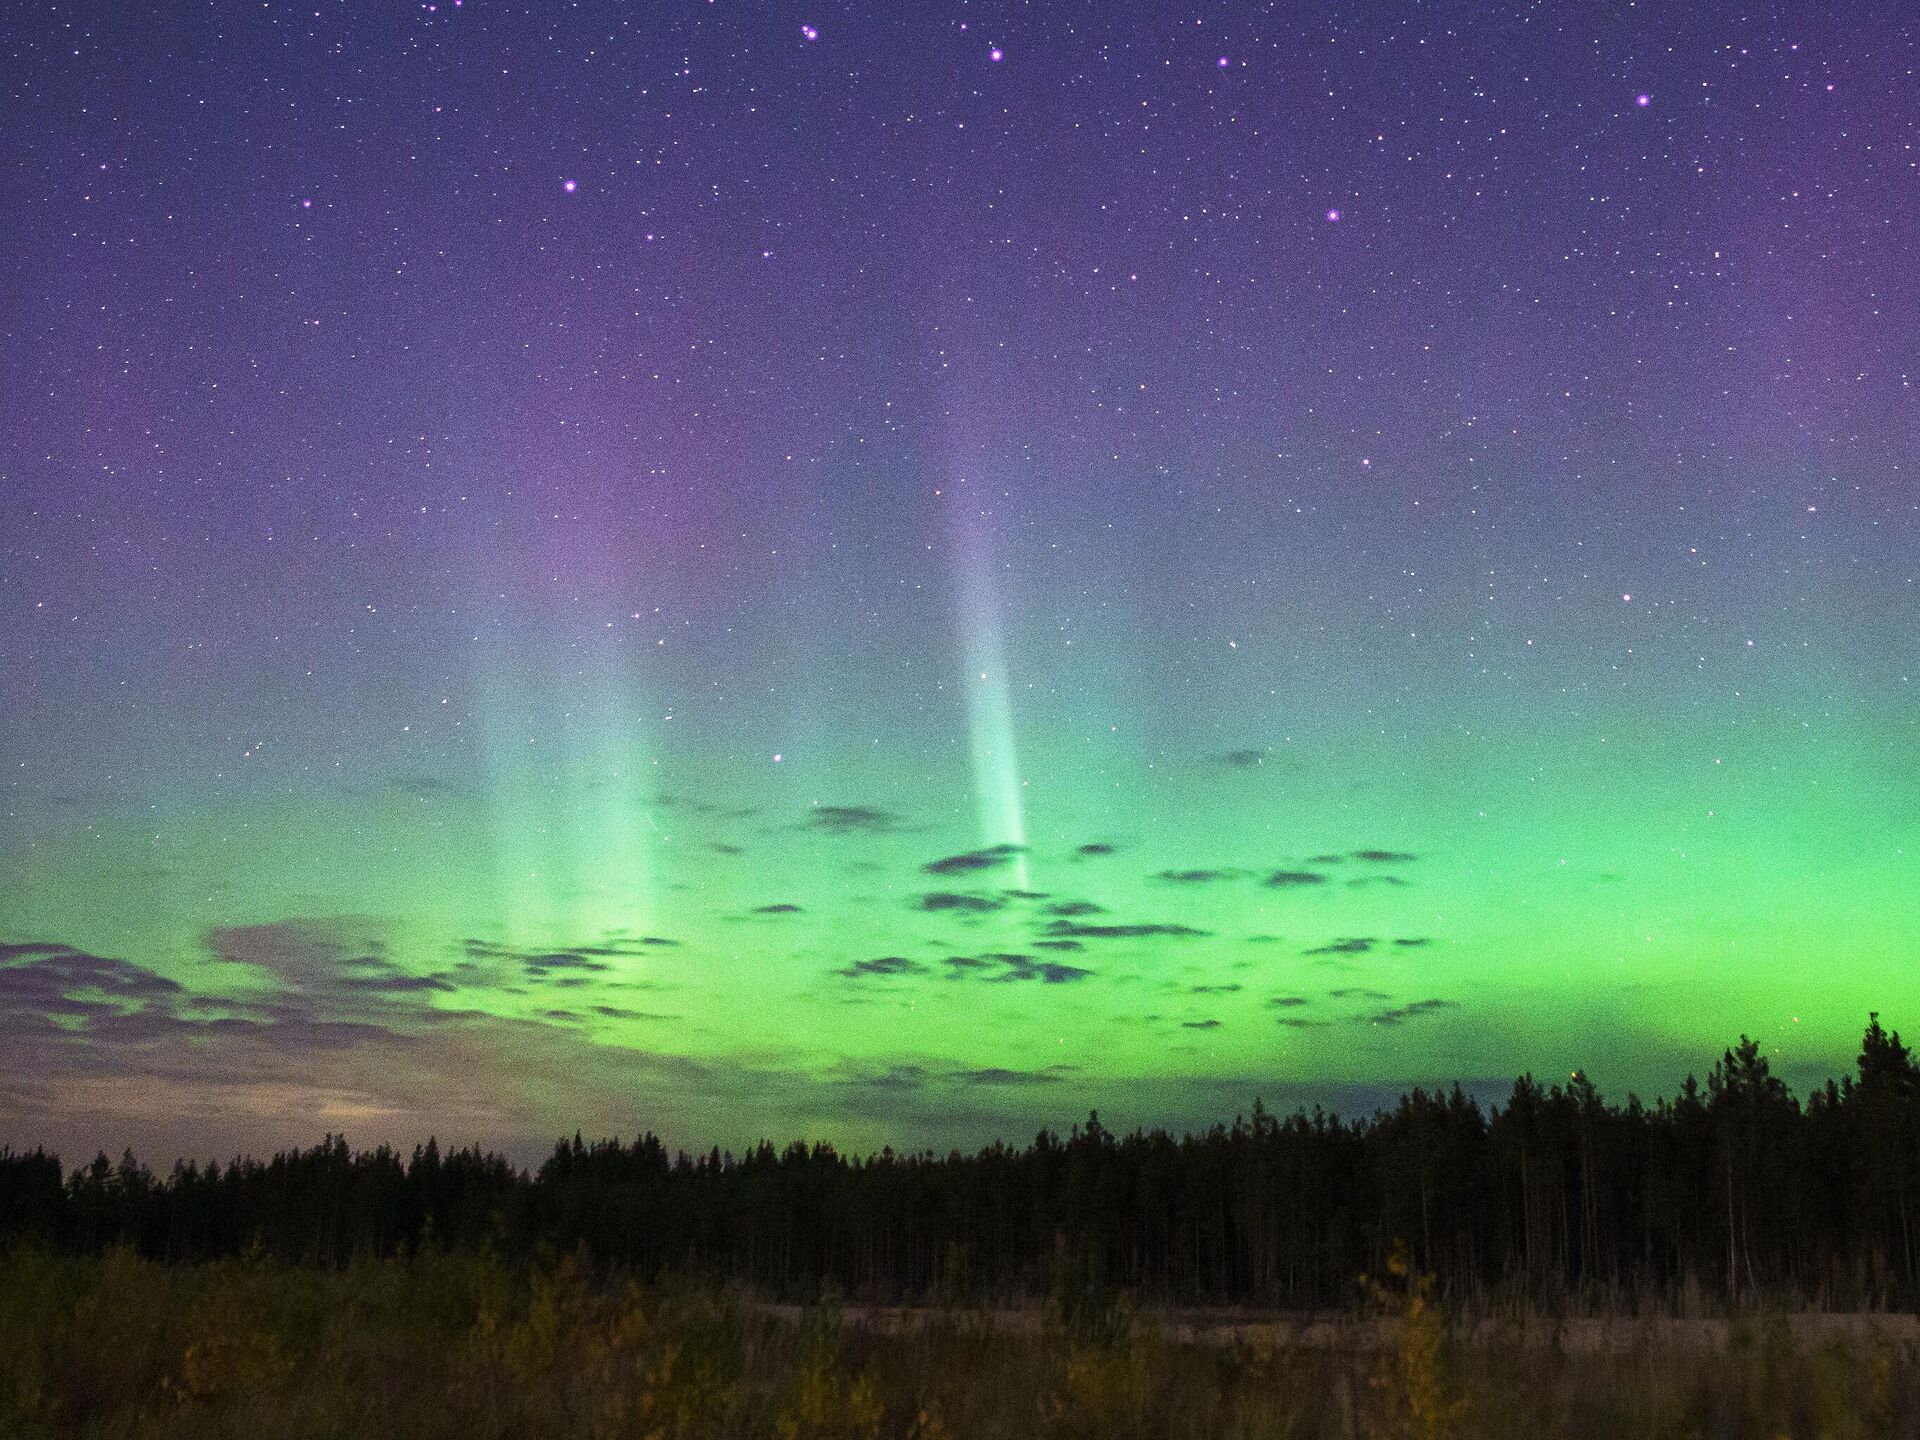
x,y
1734,1192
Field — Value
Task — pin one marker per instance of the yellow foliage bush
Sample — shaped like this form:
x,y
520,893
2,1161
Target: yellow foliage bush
x,y
822,1404
1413,1390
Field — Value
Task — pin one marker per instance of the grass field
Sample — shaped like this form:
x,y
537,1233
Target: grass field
x,y
462,1346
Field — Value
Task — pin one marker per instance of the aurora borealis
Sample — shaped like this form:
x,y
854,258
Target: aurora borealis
x,y
895,572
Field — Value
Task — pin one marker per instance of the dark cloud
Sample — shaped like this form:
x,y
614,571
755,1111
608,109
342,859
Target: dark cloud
x,y
1002,968
597,956
1073,929
320,1032
999,1075
1325,859
1059,945
615,1012
1401,1013
1287,1002
1264,939
1243,759
28,949
540,966
885,965
1346,945
852,820
329,970
1411,941
395,1067
1301,1022
902,1077
1075,907
1025,967
964,904
785,907
43,975
1357,993
303,954
398,984
335,991
1199,1024
292,1035
1385,857
1051,972
988,859
1362,881
721,848
1093,849
1214,989
1197,877
1288,879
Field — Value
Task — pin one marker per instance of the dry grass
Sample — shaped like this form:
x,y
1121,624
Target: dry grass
x,y
460,1346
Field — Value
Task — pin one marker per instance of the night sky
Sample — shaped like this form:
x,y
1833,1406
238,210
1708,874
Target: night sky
x,y
895,572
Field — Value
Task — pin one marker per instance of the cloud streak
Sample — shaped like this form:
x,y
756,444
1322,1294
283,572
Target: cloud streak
x,y
975,860
1400,1014
1076,930
884,966
852,820
1007,968
1345,945
950,900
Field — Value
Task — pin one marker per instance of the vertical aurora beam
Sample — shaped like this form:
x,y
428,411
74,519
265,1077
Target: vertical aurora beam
x,y
608,866
507,724
996,768
564,756
563,747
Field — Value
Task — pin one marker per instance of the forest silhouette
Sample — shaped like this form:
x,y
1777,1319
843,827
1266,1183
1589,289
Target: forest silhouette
x,y
1731,1193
